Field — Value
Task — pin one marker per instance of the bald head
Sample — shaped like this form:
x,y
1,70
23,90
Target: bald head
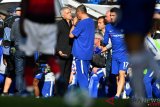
x,y
108,18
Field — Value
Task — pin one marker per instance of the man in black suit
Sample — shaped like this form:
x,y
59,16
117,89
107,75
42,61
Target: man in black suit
x,y
64,44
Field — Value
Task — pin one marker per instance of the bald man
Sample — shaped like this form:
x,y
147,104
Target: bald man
x,y
108,18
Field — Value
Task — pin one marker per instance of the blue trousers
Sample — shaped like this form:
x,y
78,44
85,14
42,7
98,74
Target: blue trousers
x,y
19,70
82,68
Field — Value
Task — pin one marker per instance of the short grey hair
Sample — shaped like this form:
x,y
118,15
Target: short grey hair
x,y
62,10
99,35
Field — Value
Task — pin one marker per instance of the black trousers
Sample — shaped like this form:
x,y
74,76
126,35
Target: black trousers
x,y
65,65
62,83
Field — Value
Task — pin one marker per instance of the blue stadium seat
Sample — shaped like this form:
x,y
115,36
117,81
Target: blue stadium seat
x,y
94,1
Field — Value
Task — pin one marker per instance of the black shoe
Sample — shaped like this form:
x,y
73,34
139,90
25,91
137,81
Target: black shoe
x,y
4,94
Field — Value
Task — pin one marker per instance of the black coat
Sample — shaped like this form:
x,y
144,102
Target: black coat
x,y
64,43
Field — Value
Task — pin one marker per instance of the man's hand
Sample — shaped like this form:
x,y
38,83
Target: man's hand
x,y
75,20
61,54
104,49
5,62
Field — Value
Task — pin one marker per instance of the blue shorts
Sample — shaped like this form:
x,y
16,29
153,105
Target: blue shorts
x,y
119,64
48,88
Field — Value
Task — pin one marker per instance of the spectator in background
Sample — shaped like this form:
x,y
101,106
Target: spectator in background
x,y
3,14
101,24
157,11
111,78
98,74
2,67
64,44
83,33
19,57
102,27
108,17
2,17
18,11
8,55
153,46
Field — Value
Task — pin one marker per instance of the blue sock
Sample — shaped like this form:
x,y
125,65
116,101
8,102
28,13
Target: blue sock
x,y
148,86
